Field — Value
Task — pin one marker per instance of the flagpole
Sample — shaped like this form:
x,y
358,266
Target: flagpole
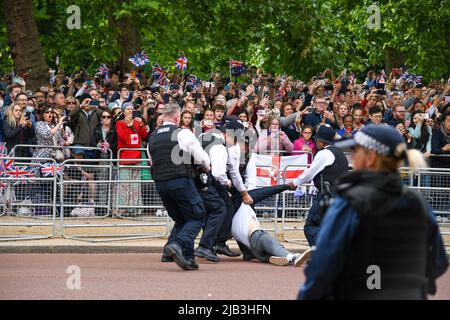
x,y
229,66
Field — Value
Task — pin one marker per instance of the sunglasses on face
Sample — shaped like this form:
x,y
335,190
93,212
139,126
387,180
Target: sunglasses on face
x,y
71,102
106,117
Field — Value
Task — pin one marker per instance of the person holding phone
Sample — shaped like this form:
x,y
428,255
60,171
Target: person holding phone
x,y
130,134
273,139
420,133
84,119
17,129
49,133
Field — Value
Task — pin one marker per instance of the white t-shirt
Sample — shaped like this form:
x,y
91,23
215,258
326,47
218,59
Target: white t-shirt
x,y
241,223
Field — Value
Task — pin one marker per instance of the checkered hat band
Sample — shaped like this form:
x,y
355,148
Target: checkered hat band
x,y
372,144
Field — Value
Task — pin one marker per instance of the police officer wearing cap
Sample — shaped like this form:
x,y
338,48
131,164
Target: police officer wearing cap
x,y
224,150
328,164
379,239
174,153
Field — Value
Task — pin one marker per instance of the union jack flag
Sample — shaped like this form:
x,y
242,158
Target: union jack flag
x,y
193,80
22,173
139,59
49,169
103,71
182,62
158,72
237,67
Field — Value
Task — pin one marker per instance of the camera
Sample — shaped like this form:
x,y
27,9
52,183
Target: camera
x,y
137,114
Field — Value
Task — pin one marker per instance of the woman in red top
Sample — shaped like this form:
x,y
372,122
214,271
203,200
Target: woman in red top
x,y
130,133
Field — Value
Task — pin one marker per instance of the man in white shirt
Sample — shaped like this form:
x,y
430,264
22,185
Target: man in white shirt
x,y
256,243
223,149
171,150
328,164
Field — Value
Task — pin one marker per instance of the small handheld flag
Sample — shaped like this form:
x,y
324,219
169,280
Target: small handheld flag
x,y
181,63
139,59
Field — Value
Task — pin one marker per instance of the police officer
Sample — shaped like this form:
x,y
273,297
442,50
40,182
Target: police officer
x,y
172,150
233,131
328,164
378,239
216,210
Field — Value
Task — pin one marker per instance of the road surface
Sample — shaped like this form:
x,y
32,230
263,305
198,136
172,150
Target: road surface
x,y
143,276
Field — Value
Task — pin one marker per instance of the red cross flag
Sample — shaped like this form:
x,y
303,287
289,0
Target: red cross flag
x,y
271,167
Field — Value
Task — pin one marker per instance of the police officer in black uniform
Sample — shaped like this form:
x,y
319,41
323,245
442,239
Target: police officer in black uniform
x,y
328,164
174,153
379,239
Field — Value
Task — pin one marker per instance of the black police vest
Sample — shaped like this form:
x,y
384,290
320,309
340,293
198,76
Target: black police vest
x,y
393,238
162,146
333,171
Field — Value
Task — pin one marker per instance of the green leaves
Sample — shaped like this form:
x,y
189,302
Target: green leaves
x,y
296,37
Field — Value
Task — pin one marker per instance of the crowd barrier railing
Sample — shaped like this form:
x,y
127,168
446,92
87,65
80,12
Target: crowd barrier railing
x,y
108,184
121,202
62,148
28,193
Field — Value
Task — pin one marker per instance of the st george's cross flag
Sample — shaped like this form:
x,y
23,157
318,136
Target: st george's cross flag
x,y
274,169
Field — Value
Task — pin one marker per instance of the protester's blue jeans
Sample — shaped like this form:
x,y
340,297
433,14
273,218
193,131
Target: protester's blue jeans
x,y
264,245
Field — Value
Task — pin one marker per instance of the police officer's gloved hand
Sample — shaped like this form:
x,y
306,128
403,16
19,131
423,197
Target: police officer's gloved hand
x,y
298,194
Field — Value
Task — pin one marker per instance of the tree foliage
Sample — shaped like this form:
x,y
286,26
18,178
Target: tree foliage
x,y
290,36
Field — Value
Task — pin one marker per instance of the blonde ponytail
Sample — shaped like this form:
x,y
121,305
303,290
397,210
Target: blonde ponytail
x,y
416,159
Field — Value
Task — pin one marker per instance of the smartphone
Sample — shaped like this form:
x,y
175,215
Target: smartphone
x,y
447,99
197,95
94,103
208,123
292,94
28,115
226,88
262,112
174,87
137,114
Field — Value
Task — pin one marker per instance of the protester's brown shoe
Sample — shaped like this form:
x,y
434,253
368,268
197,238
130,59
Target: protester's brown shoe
x,y
304,257
279,261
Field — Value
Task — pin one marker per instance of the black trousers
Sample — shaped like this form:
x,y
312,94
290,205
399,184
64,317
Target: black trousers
x,y
216,213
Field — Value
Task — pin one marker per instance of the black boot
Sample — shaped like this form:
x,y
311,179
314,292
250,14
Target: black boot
x,y
222,248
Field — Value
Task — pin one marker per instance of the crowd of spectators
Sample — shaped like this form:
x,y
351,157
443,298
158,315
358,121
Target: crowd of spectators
x,y
284,113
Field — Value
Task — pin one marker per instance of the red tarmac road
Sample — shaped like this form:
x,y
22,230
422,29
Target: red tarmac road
x,y
143,276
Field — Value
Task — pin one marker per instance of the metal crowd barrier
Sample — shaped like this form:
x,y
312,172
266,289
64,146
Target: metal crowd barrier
x,y
62,148
121,201
27,198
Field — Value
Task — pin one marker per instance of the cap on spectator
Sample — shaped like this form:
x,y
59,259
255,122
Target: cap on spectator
x,y
325,133
383,139
83,97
